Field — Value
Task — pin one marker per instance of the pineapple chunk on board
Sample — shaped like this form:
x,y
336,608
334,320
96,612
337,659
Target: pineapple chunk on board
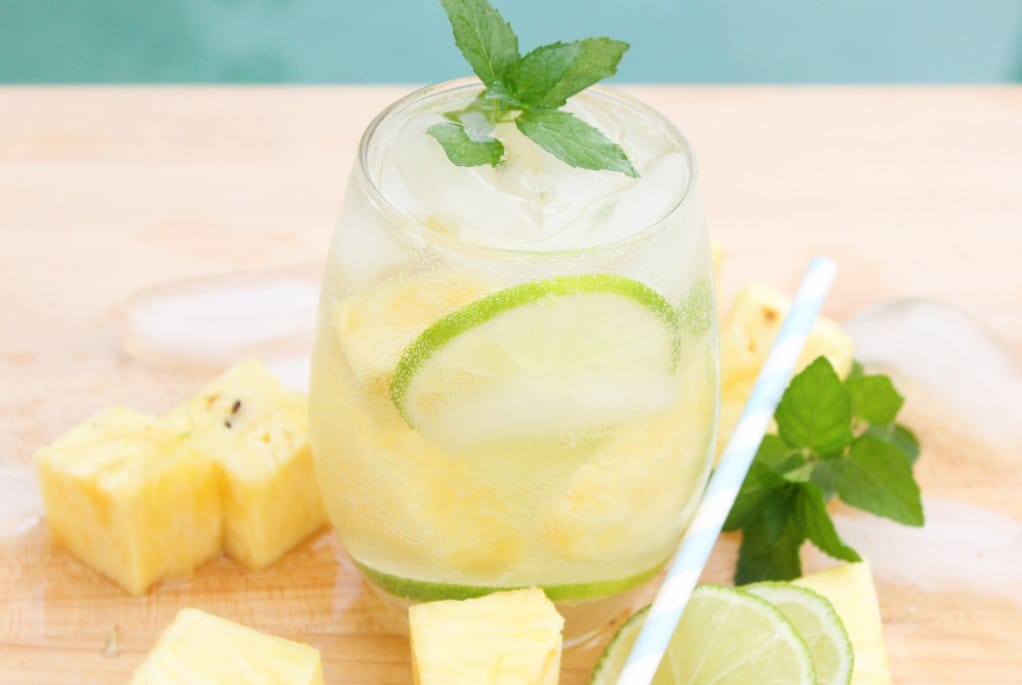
x,y
849,588
257,432
202,649
748,331
124,497
507,638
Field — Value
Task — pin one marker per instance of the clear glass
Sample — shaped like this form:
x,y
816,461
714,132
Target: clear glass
x,y
492,412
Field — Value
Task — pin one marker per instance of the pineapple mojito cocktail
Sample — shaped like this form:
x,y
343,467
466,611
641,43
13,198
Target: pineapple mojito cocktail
x,y
515,376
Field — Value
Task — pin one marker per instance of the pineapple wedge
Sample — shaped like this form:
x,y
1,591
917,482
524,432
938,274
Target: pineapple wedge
x,y
202,649
256,431
748,331
850,589
507,638
123,497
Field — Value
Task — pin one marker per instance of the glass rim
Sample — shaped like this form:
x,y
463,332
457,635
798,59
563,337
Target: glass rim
x,y
401,220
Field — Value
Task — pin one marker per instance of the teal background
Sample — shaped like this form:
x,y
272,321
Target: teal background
x,y
329,41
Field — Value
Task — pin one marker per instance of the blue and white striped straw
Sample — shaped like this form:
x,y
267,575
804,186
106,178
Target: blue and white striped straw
x,y
720,494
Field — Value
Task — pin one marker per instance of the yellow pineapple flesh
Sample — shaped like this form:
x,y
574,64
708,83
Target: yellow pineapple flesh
x,y
202,649
850,589
124,497
256,431
748,331
507,638
374,327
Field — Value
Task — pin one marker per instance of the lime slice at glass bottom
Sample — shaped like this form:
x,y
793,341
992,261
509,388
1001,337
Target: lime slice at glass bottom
x,y
819,625
726,637
431,591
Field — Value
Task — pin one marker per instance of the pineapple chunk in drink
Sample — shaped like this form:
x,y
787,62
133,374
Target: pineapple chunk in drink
x,y
501,639
748,331
126,497
201,649
256,432
376,325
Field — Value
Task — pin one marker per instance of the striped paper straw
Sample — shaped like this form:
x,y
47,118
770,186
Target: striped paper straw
x,y
720,494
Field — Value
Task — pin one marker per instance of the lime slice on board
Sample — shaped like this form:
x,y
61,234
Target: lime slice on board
x,y
819,625
544,357
615,654
850,590
725,637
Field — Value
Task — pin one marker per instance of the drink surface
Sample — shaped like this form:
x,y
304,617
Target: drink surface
x,y
488,410
532,200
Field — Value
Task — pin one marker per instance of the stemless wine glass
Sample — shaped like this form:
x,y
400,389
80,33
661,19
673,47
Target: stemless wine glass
x,y
495,408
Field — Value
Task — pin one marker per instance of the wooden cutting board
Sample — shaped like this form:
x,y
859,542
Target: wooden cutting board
x,y
105,191
58,616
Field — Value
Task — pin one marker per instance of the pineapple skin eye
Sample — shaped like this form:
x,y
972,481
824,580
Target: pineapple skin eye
x,y
256,433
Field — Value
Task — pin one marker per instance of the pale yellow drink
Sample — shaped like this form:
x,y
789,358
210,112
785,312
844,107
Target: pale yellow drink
x,y
515,376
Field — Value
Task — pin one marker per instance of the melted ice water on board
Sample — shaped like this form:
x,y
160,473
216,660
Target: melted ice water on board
x,y
966,382
20,504
532,200
962,547
949,355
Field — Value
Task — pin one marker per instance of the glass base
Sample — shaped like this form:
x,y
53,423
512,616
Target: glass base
x,y
585,621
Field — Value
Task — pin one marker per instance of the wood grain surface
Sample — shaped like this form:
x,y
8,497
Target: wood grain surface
x,y
916,192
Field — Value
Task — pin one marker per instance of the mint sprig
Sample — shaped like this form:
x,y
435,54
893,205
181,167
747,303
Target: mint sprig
x,y
834,439
462,149
528,90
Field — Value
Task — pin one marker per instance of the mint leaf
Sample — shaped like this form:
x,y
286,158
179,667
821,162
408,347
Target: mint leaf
x,y
462,149
814,519
815,411
549,75
597,59
539,72
825,478
484,38
763,487
764,555
874,398
855,372
573,141
762,484
877,477
778,455
899,436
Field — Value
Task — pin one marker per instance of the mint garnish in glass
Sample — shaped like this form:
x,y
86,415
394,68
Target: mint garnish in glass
x,y
528,90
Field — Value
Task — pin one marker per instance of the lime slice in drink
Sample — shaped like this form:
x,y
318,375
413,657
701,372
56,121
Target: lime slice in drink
x,y
541,358
726,637
819,625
